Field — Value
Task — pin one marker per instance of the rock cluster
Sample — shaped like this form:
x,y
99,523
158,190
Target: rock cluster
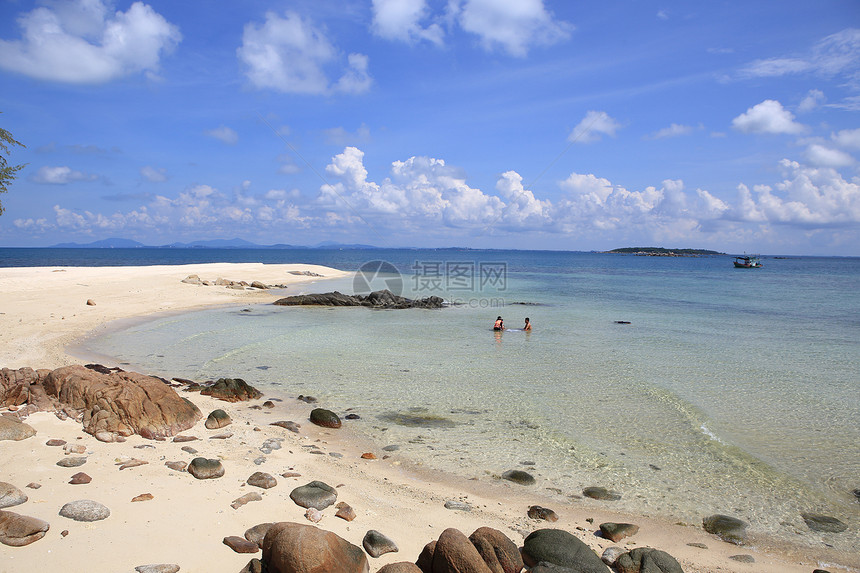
x,y
376,299
237,285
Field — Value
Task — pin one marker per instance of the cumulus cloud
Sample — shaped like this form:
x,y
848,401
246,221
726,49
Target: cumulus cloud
x,y
402,20
767,117
224,134
812,100
848,138
512,25
592,126
823,156
290,54
60,175
84,42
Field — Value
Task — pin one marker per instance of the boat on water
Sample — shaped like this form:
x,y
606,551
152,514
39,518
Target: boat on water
x,y
747,262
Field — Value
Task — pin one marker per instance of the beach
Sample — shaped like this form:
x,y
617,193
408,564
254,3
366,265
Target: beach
x,y
44,310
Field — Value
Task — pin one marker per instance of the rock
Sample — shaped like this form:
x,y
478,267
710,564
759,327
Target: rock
x,y
33,485
538,512
85,510
457,505
611,555
544,567
856,493
143,497
20,530
307,399
202,468
178,466
618,531
55,442
344,511
248,497
132,463
519,476
287,424
742,558
232,390
189,450
257,533
559,547
368,456
291,474
10,495
325,418
315,494
401,567
268,404
377,544
14,430
253,566
80,478
270,445
263,480
157,568
192,280
71,462
376,299
91,302
259,285
240,544
297,548
647,560
601,493
74,448
499,553
314,515
179,439
218,419
454,553
425,558
729,529
823,523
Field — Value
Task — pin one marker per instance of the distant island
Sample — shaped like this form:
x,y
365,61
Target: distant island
x,y
117,243
663,252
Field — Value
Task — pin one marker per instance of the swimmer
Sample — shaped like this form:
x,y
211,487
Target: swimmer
x,y
528,325
499,324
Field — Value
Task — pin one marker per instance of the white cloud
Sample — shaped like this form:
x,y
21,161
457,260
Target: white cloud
x,y
592,126
155,175
812,100
848,138
401,20
823,156
83,42
674,130
224,134
60,175
767,117
513,25
291,55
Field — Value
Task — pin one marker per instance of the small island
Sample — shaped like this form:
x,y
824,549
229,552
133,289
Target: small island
x,y
663,252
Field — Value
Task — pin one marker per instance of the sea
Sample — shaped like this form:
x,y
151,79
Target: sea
x,y
683,384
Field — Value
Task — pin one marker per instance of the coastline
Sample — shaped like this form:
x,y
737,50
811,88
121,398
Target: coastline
x,y
44,310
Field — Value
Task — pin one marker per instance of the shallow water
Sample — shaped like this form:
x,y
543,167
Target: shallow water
x,y
730,391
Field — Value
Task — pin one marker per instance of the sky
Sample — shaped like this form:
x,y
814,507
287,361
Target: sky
x,y
528,124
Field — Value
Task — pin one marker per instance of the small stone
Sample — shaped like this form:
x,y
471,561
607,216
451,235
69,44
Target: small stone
x,y
352,417
313,514
519,476
143,497
457,505
268,404
176,466
240,544
377,544
391,448
538,512
601,493
368,456
217,419
202,468
74,448
157,568
132,463
85,510
344,511
10,495
698,545
55,442
742,558
262,480
221,436
80,478
71,462
307,399
823,523
189,450
34,485
611,555
247,498
91,302
179,439
287,425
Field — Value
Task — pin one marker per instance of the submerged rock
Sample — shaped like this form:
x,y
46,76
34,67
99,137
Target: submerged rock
x,y
519,476
727,528
601,493
377,299
823,523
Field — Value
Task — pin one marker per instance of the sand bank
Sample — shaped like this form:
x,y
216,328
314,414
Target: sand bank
x,y
42,310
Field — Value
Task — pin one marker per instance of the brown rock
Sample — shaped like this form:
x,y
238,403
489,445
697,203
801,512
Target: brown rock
x,y
248,497
19,530
368,456
425,558
618,531
402,567
499,553
296,548
176,466
218,419
538,512
262,480
257,533
132,463
179,439
91,302
232,390
344,511
14,430
240,544
55,442
80,478
143,497
454,553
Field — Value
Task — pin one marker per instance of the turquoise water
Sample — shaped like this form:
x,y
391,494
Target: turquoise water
x,y
730,391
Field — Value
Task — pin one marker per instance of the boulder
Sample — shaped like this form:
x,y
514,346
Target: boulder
x,y
647,560
727,528
823,523
401,567
618,531
315,494
257,533
85,510
10,495
232,390
203,468
561,548
297,548
240,544
218,419
377,299
454,553
262,479
11,429
377,544
499,553
19,530
325,418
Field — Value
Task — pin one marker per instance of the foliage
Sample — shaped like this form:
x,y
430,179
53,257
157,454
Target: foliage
x,y
8,173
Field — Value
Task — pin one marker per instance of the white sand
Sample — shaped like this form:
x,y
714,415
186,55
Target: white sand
x,y
42,311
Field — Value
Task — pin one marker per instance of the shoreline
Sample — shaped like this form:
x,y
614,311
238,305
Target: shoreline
x,y
391,495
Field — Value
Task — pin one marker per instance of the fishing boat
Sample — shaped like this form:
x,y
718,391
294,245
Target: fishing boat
x,y
747,262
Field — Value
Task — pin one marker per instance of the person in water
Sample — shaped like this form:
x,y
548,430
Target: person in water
x,y
528,325
499,324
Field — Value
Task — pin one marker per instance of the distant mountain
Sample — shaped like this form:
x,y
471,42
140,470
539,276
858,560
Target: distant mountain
x,y
237,243
216,244
103,244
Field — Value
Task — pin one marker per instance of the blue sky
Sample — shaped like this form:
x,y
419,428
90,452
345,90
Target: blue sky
x,y
732,126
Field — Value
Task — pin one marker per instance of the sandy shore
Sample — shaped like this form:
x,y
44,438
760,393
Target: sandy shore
x,y
43,310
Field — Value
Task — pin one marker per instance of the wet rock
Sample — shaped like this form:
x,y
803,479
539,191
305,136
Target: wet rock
x,y
240,544
257,533
377,544
288,425
307,399
232,390
823,523
344,511
85,510
647,560
618,531
315,494
727,528
538,512
294,547
71,462
601,493
203,468
80,478
499,553
247,498
217,419
325,418
10,495
157,568
20,530
561,548
14,430
143,497
519,476
178,466
263,480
